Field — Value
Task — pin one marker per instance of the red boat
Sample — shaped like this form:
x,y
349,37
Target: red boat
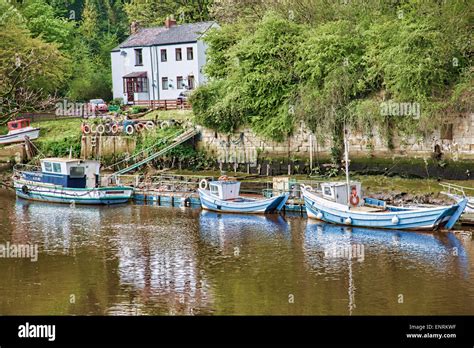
x,y
18,130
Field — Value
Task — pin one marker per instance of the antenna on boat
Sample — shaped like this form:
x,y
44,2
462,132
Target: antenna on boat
x,y
346,160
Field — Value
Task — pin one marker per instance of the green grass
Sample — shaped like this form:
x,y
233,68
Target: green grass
x,y
182,115
57,137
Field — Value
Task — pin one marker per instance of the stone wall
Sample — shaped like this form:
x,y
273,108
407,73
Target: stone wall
x,y
106,146
243,146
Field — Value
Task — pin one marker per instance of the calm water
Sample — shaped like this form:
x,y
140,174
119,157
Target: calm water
x,y
135,259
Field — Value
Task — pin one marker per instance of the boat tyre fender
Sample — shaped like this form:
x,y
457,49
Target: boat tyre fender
x,y
150,125
139,127
187,202
86,129
203,184
129,129
108,128
24,189
114,128
101,129
354,200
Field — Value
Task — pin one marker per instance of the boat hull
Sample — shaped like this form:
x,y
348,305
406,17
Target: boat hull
x,y
19,137
396,218
59,194
259,206
458,198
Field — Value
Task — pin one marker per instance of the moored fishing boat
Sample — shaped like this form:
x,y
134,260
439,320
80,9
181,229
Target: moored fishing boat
x,y
333,204
17,131
223,196
63,180
458,193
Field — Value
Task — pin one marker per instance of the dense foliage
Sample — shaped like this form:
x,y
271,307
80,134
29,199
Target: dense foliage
x,y
335,63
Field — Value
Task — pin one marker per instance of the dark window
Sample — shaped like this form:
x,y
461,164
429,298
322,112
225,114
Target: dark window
x,y
138,57
179,56
77,172
190,54
179,82
48,167
447,131
191,82
141,85
164,83
164,57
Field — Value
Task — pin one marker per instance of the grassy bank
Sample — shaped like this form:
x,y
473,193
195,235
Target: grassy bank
x,y
57,137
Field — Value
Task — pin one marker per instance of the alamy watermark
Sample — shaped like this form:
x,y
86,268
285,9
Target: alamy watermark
x,y
21,251
354,251
393,108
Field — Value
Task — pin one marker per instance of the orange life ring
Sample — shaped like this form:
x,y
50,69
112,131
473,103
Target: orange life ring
x,y
354,200
86,129
114,129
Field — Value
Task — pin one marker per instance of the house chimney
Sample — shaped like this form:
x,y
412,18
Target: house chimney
x,y
134,27
170,21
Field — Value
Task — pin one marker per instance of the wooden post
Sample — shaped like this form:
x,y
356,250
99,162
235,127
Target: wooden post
x,y
311,152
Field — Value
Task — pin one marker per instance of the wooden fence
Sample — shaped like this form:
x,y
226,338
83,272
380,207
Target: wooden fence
x,y
165,104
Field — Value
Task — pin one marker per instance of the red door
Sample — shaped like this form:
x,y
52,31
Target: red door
x,y
129,84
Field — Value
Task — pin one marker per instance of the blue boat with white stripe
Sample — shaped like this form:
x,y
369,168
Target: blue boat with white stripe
x,y
223,196
71,181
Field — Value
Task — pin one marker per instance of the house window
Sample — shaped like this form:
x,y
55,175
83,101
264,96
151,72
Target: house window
x,y
179,82
190,54
179,56
164,83
447,131
57,167
190,82
141,85
48,167
138,57
164,57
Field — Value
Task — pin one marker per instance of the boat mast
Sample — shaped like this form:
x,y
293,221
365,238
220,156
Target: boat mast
x,y
346,159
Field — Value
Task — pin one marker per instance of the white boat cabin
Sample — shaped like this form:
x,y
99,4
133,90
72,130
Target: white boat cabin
x,y
225,190
70,172
337,192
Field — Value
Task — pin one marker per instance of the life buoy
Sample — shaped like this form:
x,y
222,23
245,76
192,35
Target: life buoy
x,y
354,200
25,189
203,184
101,129
86,129
93,130
114,128
139,127
129,129
223,178
108,128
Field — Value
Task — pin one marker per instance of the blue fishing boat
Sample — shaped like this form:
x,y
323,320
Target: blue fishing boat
x,y
61,180
339,203
223,196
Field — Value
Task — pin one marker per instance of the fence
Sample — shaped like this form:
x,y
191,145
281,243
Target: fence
x,y
165,104
46,116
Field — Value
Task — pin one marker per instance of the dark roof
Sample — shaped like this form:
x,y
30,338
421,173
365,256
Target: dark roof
x,y
156,36
136,74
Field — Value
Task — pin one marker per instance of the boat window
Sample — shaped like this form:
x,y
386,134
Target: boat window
x,y
57,167
214,190
327,191
14,125
77,172
48,167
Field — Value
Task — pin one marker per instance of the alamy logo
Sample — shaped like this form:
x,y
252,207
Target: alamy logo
x,y
37,331
392,108
26,251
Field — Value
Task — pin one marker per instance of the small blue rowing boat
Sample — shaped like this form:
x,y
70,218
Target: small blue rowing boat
x,y
339,203
61,180
223,196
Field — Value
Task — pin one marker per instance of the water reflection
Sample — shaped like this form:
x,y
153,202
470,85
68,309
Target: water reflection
x,y
140,259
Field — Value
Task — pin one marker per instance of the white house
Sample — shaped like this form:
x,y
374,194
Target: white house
x,y
159,63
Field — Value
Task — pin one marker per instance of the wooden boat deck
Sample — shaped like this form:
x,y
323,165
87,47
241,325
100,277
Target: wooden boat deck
x,y
367,209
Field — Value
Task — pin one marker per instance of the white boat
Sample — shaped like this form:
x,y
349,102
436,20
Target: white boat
x,y
223,196
458,193
62,180
343,203
18,130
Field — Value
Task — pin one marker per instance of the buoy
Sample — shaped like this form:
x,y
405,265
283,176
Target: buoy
x,y
203,184
348,221
395,220
101,129
139,127
319,215
129,129
114,129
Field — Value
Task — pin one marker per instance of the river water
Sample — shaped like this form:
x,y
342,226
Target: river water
x,y
152,260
